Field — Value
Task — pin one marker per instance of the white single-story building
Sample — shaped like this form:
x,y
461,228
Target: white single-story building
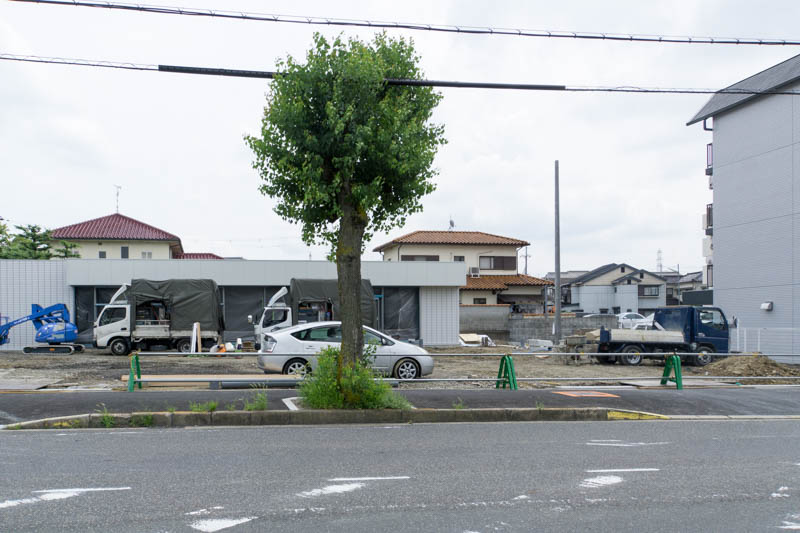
x,y
414,300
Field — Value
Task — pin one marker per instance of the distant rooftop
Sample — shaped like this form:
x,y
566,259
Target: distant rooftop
x,y
113,227
452,237
770,79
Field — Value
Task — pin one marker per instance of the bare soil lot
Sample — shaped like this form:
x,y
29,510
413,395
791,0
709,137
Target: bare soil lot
x,y
94,368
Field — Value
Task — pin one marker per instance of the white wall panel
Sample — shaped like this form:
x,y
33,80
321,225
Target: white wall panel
x,y
438,315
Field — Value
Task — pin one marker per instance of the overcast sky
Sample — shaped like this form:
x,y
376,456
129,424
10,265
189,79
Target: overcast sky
x,y
632,173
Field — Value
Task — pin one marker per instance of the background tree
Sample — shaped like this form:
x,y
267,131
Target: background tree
x,y
32,242
67,250
347,155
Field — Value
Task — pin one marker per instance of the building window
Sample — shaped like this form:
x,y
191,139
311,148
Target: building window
x,y
458,258
670,292
101,254
498,262
710,276
147,255
479,301
615,310
604,310
419,258
648,290
622,269
123,252
641,275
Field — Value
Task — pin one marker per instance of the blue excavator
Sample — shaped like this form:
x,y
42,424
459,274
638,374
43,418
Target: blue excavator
x,y
53,328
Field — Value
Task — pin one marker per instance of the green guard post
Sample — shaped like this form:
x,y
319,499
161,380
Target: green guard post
x,y
506,374
135,373
672,363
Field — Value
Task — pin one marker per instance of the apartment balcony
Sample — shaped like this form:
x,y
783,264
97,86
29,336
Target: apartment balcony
x,y
708,248
709,160
708,220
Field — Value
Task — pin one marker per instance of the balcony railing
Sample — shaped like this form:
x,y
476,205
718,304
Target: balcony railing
x,y
709,219
709,159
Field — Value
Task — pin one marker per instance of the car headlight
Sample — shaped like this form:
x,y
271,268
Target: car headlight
x,y
269,343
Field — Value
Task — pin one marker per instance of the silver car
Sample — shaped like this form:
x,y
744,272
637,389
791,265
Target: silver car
x,y
290,350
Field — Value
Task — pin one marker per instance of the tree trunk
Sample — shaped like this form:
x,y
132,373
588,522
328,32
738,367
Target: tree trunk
x,y
348,266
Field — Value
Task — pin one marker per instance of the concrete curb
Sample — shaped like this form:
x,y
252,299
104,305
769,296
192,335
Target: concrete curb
x,y
382,416
316,417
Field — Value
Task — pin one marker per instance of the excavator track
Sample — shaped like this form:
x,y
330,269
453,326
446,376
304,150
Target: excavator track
x,y
54,349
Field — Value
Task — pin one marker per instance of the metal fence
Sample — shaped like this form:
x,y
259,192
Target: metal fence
x,y
779,343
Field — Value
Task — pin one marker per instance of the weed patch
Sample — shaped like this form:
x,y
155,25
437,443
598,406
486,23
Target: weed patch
x,y
142,421
106,418
359,389
205,407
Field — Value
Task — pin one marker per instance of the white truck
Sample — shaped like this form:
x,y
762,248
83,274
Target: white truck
x,y
148,313
308,300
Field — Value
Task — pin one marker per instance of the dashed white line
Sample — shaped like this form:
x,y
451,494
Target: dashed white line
x,y
331,489
55,494
624,444
211,525
624,470
600,481
367,478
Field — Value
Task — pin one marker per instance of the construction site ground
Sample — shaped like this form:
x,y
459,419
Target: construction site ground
x,y
95,368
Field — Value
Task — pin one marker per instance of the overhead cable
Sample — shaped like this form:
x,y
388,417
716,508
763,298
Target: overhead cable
x,y
445,28
265,74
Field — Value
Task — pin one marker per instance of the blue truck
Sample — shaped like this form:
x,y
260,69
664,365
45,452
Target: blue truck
x,y
697,331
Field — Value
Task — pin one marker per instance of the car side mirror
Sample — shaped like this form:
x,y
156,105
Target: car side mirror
x,y
249,319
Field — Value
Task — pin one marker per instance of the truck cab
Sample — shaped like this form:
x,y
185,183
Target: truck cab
x,y
702,327
274,317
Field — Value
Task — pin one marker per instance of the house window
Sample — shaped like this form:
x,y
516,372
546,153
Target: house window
x,y
479,301
419,258
458,258
641,275
615,310
670,292
498,262
101,254
123,252
648,290
622,269
147,255
629,282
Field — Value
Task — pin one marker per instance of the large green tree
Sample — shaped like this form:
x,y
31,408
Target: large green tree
x,y
345,154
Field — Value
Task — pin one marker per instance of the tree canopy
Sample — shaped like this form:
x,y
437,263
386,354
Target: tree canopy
x,y
32,242
345,154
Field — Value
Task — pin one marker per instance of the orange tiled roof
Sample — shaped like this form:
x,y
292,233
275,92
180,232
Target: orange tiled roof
x,y
113,227
503,282
453,237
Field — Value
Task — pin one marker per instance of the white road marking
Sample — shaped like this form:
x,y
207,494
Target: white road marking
x,y
218,524
289,403
367,478
198,512
55,494
600,481
522,497
781,493
331,489
624,470
791,525
624,444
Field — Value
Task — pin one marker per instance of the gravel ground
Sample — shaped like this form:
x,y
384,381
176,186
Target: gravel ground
x,y
95,368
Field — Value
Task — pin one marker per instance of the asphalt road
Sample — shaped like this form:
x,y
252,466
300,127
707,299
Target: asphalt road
x,y
588,476
17,407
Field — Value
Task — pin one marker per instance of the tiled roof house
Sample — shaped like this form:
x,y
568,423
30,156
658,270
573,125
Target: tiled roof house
x,y
492,275
120,237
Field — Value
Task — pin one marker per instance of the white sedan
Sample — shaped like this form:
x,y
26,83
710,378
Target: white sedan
x,y
629,320
293,350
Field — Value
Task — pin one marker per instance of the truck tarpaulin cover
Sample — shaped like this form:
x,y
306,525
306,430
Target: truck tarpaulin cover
x,y
188,301
326,290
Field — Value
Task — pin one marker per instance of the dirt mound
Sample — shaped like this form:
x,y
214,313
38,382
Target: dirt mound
x,y
750,365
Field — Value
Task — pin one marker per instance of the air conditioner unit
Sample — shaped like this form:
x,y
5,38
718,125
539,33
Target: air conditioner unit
x,y
474,272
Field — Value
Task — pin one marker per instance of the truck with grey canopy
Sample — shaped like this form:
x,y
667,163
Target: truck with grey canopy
x,y
147,313
309,300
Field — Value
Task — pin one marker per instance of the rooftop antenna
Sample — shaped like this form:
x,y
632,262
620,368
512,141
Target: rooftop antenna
x,y
452,224
119,188
659,262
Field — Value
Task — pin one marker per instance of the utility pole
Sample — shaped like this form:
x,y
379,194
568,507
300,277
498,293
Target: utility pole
x,y
557,295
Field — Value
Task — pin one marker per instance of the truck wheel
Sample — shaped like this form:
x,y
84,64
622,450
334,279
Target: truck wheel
x,y
631,355
705,357
184,345
119,347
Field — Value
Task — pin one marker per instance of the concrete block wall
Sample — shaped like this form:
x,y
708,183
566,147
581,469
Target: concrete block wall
x,y
487,320
23,283
523,328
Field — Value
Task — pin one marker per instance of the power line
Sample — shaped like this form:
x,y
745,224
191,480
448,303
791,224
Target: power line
x,y
264,74
445,28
